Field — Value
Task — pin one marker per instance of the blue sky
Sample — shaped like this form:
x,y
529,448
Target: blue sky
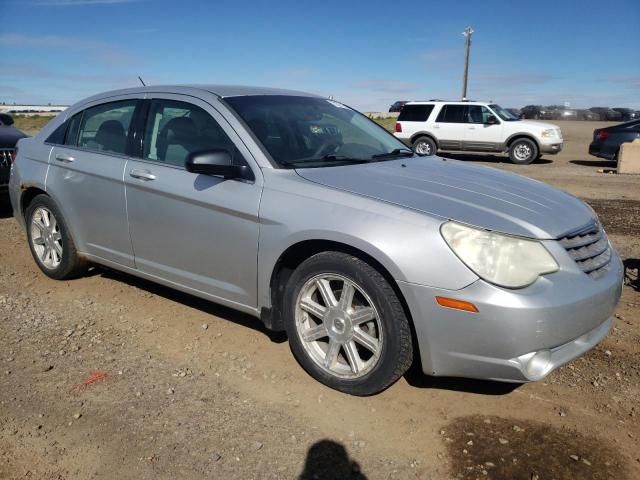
x,y
364,53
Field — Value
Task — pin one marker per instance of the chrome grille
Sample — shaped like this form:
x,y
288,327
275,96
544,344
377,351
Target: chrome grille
x,y
589,248
5,156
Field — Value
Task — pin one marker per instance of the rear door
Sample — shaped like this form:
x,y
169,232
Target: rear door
x,y
192,230
479,135
450,126
85,178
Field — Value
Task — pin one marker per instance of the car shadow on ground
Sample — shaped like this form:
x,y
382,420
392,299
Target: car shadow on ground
x,y
191,301
418,379
595,163
632,273
484,158
5,206
329,460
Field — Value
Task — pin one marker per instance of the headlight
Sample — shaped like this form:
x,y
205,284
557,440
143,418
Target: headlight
x,y
548,132
510,262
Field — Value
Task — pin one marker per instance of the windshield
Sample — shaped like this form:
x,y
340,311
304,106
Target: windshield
x,y
505,115
301,132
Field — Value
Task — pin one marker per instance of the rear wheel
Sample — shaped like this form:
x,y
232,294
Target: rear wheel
x,y
523,151
424,146
49,240
346,325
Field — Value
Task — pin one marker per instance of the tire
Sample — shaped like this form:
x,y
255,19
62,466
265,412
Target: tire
x,y
523,151
62,262
373,317
425,146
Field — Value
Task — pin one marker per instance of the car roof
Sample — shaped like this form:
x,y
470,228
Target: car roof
x,y
221,91
437,102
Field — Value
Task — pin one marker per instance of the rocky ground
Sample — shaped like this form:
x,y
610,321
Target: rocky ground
x,y
111,377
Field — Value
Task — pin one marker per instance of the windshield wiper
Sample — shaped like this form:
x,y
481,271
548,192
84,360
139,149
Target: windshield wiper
x,y
327,159
398,152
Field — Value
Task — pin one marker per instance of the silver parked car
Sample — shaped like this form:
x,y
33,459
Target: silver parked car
x,y
304,213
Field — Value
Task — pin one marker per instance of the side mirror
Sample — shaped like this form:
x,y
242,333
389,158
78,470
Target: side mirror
x,y
491,120
6,119
215,162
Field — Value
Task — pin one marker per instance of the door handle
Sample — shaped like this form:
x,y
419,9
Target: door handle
x,y
472,128
436,126
142,174
61,157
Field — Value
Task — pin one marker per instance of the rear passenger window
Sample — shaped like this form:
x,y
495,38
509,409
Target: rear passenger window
x,y
415,113
452,114
105,128
175,129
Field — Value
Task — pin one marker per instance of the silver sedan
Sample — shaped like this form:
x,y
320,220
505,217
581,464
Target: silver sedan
x,y
304,213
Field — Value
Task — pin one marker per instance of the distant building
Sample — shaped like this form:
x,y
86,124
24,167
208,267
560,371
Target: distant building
x,y
8,108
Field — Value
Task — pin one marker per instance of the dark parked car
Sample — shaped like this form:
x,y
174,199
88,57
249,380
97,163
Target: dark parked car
x,y
627,114
587,115
531,111
607,114
516,112
538,112
9,136
606,141
397,106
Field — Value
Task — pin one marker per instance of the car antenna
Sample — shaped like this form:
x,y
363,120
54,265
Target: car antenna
x,y
142,81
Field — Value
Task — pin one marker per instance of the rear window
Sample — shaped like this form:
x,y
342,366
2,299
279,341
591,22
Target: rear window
x,y
452,114
415,113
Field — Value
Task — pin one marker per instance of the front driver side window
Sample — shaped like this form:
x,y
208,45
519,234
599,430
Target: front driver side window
x,y
478,114
175,129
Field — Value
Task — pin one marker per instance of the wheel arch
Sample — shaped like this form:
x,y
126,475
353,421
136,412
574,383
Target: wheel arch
x,y
415,136
297,253
27,195
517,136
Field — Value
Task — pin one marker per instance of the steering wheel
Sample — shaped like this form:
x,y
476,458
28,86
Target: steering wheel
x,y
327,148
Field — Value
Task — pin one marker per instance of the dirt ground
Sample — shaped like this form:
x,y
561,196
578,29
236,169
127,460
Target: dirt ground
x,y
194,390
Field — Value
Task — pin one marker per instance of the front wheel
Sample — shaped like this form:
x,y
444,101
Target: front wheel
x,y
346,325
523,151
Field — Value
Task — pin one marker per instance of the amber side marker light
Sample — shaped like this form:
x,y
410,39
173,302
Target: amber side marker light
x,y
457,304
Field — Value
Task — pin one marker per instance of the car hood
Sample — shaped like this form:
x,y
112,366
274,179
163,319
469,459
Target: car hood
x,y
535,125
481,196
9,136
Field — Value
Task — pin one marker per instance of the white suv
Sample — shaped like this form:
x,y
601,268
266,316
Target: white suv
x,y
477,127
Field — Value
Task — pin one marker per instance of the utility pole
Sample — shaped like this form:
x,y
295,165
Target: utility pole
x,y
467,33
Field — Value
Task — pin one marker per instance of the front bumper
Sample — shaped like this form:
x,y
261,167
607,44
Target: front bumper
x,y
551,148
517,335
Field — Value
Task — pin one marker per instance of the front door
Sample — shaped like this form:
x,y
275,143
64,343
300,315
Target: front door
x,y
86,177
480,135
196,231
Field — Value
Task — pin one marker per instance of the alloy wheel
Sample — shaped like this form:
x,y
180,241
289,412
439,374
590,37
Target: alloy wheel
x,y
339,326
46,238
